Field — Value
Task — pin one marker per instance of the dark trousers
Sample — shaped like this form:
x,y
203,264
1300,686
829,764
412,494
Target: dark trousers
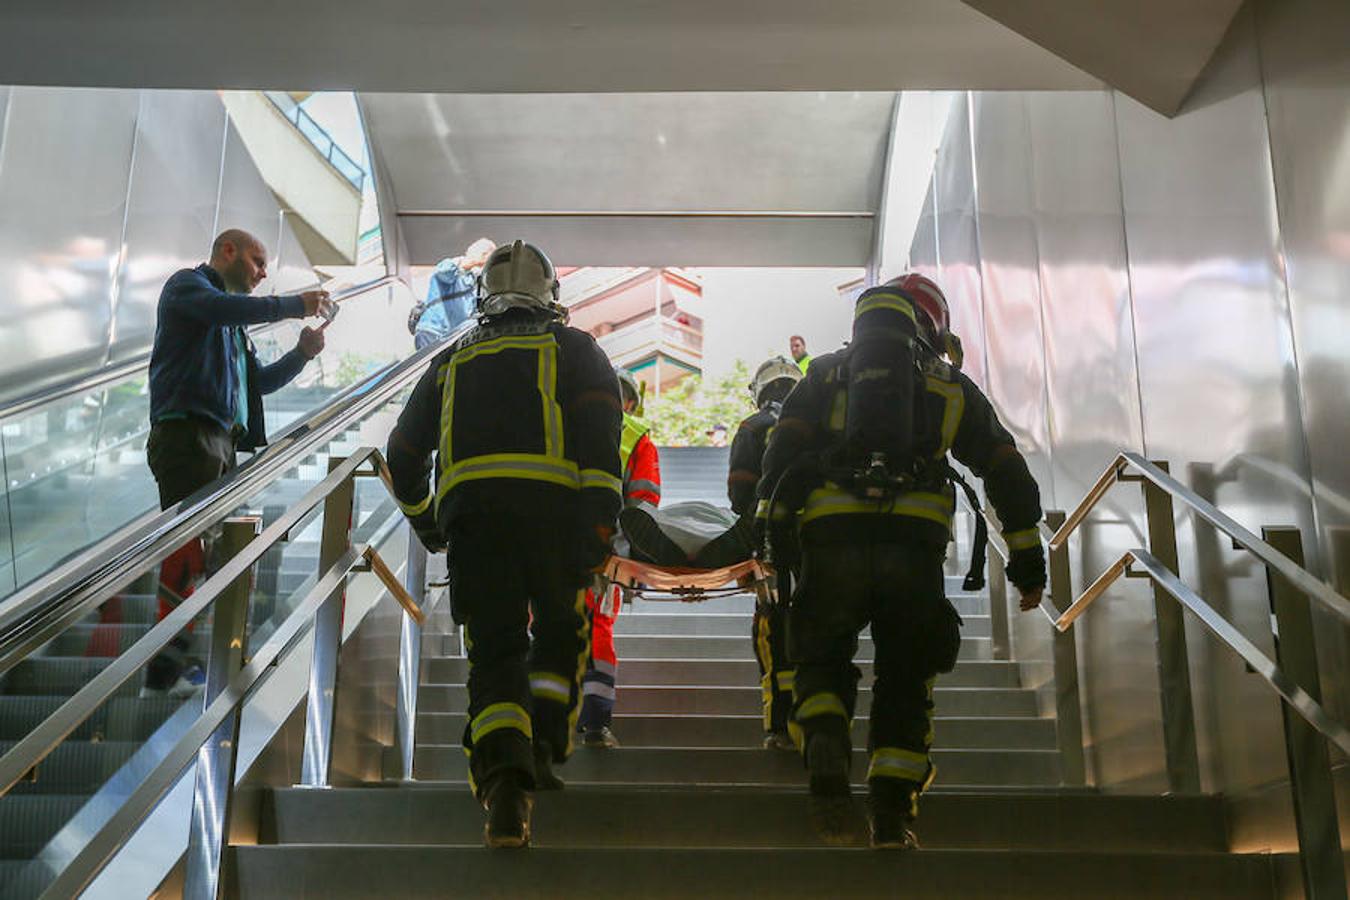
x,y
518,591
898,589
185,455
769,630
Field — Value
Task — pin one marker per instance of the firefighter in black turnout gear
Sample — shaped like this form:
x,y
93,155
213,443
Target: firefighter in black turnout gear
x,y
860,455
523,416
773,381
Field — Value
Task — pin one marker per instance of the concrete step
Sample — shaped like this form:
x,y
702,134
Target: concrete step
x,y
965,603
745,701
748,731
586,816
732,625
734,672
737,647
300,872
746,766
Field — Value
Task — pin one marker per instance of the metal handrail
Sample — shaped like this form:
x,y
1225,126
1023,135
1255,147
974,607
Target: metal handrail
x,y
1224,630
30,750
109,374
41,610
1301,578
1000,548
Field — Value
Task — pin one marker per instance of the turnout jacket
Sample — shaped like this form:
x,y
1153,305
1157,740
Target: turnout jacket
x,y
747,457
522,416
961,421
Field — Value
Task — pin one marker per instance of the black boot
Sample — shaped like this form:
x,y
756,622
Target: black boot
x,y
544,779
891,807
827,761
508,807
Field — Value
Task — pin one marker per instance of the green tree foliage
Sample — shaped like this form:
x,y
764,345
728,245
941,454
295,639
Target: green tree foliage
x,y
682,416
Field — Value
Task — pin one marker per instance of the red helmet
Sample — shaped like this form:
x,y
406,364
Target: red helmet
x,y
934,320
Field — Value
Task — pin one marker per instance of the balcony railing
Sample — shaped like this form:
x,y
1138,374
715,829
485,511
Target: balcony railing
x,y
653,332
320,138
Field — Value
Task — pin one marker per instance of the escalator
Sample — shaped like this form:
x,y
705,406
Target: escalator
x,y
86,542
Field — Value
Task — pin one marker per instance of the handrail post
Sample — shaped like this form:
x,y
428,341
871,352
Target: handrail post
x,y
213,796
1068,711
322,698
998,589
1174,677
1310,781
410,656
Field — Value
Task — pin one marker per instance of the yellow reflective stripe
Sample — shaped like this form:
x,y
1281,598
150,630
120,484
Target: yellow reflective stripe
x,y
416,509
951,413
448,414
885,300
825,704
598,478
919,504
1022,540
781,513
896,762
583,634
501,715
526,466
548,391
550,686
786,680
839,411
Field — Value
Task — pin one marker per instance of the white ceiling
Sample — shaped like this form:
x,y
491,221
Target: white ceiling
x,y
703,179
523,45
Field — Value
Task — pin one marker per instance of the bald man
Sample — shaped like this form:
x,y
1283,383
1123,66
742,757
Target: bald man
x,y
206,388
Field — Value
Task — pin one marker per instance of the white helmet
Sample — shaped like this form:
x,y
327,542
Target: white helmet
x,y
518,276
774,369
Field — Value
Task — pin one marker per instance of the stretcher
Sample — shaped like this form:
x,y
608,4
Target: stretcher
x,y
687,585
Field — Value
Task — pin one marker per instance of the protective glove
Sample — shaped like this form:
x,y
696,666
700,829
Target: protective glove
x,y
428,532
1026,568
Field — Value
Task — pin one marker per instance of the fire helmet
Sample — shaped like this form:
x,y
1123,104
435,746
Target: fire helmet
x,y
777,368
518,276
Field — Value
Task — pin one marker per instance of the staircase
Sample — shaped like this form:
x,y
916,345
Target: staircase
x,y
691,806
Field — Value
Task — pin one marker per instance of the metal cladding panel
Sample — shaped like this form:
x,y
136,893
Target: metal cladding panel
x,y
1217,374
1093,403
1010,277
958,239
1307,78
678,152
923,250
63,189
751,151
643,241
174,180
247,203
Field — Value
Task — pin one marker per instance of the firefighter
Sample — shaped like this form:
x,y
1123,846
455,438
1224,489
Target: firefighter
x,y
641,467
773,381
522,413
861,451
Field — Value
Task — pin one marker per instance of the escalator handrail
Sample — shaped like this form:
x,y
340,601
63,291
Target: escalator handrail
x,y
128,367
39,611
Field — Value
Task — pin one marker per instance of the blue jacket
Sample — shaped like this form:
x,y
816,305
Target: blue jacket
x,y
451,298
193,367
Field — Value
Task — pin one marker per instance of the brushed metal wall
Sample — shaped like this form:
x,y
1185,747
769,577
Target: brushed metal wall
x,y
105,193
1176,287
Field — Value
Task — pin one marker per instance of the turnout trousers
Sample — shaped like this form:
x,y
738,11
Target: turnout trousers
x,y
519,593
897,588
769,630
